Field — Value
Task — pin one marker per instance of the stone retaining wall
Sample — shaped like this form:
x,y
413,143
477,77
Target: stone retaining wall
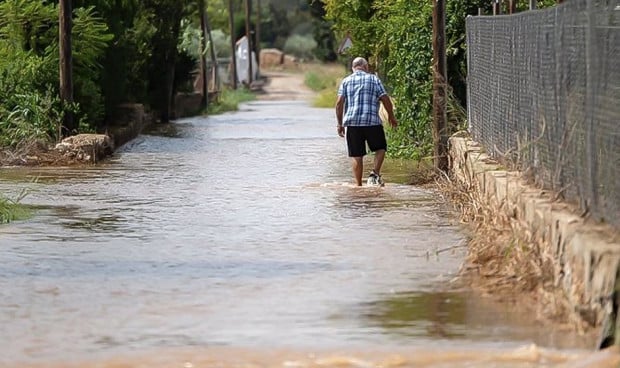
x,y
585,256
127,123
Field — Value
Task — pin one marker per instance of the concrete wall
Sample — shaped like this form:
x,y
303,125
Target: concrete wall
x,y
127,123
585,256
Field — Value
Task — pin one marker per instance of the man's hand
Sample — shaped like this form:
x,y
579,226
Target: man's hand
x,y
340,130
393,122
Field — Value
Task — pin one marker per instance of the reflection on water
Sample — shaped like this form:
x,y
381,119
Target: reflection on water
x,y
240,230
440,315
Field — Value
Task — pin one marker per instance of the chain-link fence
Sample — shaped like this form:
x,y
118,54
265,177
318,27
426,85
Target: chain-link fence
x,y
544,93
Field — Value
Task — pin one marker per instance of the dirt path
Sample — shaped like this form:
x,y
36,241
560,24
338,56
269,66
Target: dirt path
x,y
285,86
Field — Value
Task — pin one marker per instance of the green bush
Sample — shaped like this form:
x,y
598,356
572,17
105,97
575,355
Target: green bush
x,y
324,79
300,46
229,100
29,106
11,210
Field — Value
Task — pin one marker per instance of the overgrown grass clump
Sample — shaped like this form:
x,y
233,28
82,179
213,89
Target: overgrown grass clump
x,y
324,79
11,210
229,100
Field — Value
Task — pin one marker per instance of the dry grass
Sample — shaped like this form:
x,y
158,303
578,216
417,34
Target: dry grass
x,y
34,153
506,261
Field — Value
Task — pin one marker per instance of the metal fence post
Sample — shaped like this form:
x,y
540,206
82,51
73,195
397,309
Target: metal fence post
x,y
441,131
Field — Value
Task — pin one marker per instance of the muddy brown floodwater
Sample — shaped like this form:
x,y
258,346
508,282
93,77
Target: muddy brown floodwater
x,y
238,241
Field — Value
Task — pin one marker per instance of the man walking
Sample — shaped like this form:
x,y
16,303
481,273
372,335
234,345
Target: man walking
x,y
357,109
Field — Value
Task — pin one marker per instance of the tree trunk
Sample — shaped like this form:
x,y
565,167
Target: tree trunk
x,y
233,43
215,78
66,66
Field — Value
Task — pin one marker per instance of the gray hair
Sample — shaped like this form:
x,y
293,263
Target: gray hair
x,y
359,62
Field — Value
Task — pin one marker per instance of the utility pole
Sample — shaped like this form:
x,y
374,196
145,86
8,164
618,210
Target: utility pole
x,y
257,26
233,42
66,65
532,4
440,128
248,35
204,101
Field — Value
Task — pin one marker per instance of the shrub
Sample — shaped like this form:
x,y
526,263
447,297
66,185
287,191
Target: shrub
x,y
229,100
300,46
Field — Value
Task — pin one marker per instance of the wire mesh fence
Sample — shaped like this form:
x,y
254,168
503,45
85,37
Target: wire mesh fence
x,y
544,94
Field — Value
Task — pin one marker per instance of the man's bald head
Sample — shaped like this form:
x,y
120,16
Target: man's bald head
x,y
359,63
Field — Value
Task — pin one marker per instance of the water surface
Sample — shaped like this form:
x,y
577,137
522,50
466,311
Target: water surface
x,y
238,238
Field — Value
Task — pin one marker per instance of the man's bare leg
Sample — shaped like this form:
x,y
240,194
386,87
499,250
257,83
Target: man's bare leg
x,y
379,156
358,169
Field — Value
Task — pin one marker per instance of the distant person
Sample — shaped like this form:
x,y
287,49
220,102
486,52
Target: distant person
x,y
357,109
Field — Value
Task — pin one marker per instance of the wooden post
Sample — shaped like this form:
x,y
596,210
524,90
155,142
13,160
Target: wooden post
x,y
440,129
497,7
532,4
258,20
66,65
233,43
512,6
248,35
204,101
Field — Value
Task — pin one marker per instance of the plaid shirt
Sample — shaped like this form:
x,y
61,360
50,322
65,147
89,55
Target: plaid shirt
x,y
361,92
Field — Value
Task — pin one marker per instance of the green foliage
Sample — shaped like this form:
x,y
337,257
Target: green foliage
x,y
300,46
11,209
325,98
229,100
167,16
29,106
406,60
396,37
316,81
324,79
221,43
33,116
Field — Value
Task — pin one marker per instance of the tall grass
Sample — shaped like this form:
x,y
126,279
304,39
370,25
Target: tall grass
x,y
11,209
324,79
229,100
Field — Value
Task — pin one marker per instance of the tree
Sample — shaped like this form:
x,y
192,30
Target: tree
x,y
65,15
166,20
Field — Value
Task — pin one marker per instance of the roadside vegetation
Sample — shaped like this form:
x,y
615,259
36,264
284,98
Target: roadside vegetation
x,y
396,38
11,209
229,100
130,52
145,52
324,79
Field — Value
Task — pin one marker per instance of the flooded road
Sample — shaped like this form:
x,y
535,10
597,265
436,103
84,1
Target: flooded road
x,y
237,241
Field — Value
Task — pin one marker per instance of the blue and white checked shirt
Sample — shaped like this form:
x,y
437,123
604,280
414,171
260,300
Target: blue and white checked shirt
x,y
361,91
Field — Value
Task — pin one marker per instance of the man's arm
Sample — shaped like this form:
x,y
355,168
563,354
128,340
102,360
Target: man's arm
x,y
387,104
340,114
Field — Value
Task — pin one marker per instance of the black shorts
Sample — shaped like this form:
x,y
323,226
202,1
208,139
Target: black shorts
x,y
357,137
